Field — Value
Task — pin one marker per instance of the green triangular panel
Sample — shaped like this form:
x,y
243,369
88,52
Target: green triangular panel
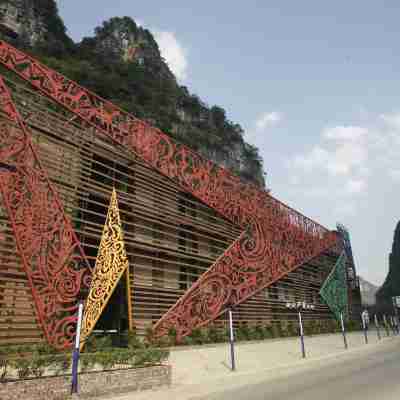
x,y
334,289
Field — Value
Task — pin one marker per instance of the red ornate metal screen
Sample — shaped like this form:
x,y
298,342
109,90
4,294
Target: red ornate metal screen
x,y
51,254
276,239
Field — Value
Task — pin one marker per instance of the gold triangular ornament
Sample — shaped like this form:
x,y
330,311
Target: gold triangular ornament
x,y
111,263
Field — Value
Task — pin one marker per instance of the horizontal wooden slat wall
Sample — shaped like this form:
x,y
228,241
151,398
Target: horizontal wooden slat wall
x,y
171,238
18,322
300,285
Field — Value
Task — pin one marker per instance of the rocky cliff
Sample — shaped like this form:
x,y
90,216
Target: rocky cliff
x,y
122,62
34,23
391,286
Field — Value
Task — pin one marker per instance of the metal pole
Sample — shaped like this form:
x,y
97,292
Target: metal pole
x,y
364,329
75,356
232,340
343,331
377,327
386,327
396,315
303,350
392,325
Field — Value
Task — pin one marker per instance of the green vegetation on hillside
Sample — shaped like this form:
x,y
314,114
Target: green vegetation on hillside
x,y
391,286
122,63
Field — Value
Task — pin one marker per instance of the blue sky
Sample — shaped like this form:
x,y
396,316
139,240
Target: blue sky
x,y
316,86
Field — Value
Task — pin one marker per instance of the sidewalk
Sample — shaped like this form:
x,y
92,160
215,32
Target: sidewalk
x,y
202,370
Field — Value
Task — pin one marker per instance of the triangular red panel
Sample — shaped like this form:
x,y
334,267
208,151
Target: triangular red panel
x,y
50,251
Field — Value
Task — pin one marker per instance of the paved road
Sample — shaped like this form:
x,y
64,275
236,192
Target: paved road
x,y
374,375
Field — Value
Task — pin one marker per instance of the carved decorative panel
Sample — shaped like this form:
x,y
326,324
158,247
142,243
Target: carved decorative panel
x,y
50,251
334,289
111,263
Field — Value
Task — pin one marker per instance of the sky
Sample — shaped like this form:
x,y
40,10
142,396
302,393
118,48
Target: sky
x,y
315,85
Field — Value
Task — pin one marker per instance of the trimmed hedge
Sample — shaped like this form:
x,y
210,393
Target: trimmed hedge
x,y
257,331
36,360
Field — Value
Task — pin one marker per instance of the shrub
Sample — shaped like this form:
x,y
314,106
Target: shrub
x,y
353,325
90,343
333,326
225,334
252,334
215,334
104,342
35,362
22,365
148,336
259,332
242,332
198,336
386,325
246,332
187,341
324,327
172,337
43,349
237,333
318,327
276,330
4,363
133,341
62,363
3,368
315,327
87,361
156,356
292,328
161,342
283,329
108,359
268,332
38,364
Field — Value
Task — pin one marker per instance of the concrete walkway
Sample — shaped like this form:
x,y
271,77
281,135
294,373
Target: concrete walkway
x,y
205,369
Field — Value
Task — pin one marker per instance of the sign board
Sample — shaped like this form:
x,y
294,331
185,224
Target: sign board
x,y
301,305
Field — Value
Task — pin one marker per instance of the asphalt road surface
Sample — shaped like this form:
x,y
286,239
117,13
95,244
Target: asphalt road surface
x,y
370,375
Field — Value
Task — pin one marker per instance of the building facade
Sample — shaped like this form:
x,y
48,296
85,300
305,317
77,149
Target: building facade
x,y
171,237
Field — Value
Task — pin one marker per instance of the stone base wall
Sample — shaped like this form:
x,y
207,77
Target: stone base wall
x,y
90,384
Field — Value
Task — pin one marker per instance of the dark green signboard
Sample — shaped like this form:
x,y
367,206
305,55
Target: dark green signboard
x,y
334,289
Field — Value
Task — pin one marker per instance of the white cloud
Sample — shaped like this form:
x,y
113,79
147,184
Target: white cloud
x,y
173,53
268,119
171,50
391,120
344,210
395,175
138,22
348,162
316,158
350,173
345,133
354,186
342,150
